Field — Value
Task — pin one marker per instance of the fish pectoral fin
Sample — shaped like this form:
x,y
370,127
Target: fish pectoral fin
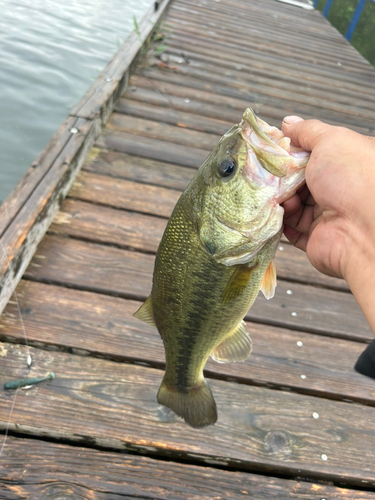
x,y
269,282
238,282
236,347
145,313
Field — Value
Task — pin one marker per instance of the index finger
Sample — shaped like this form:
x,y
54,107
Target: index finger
x,y
305,134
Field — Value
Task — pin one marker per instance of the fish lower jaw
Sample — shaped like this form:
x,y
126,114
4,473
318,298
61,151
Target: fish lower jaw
x,y
243,258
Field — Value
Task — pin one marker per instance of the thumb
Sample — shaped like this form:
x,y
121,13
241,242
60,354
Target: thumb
x,y
289,120
304,134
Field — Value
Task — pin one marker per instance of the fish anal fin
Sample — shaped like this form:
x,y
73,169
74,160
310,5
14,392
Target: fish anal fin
x,y
236,347
145,313
269,281
195,405
237,283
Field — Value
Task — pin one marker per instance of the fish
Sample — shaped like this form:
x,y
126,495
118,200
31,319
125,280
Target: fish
x,y
215,255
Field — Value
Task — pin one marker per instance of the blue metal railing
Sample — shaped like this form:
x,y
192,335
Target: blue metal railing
x,y
355,18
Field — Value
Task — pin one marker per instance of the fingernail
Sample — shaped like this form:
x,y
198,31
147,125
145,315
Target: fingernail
x,y
289,120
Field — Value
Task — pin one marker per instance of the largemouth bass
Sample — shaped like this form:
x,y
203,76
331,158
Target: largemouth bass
x,y
215,255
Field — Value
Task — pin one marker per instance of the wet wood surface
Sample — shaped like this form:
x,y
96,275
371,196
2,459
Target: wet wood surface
x,y
113,405
51,470
295,419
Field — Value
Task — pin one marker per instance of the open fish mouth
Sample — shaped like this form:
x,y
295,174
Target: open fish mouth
x,y
273,151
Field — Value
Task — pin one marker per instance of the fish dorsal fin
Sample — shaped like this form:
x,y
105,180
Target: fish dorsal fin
x,y
269,281
236,347
237,282
145,313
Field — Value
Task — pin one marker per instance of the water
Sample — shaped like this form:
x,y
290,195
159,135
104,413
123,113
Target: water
x,y
50,54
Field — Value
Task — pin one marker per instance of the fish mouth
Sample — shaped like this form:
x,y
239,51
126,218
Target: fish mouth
x,y
230,258
272,149
241,253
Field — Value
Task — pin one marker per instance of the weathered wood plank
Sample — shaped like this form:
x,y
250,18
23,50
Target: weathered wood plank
x,y
169,115
136,168
271,36
232,61
238,82
263,62
102,224
121,193
265,32
316,310
103,326
113,405
283,84
135,230
26,185
183,99
22,236
152,148
128,274
156,130
97,475
261,59
178,89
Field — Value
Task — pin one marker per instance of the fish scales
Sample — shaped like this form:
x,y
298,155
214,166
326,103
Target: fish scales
x,y
214,257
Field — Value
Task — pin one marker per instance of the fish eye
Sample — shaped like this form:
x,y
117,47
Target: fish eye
x,y
226,167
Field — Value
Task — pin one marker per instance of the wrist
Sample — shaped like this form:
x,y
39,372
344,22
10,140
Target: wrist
x,y
360,276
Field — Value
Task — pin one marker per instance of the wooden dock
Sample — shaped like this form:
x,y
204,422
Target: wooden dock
x,y
295,420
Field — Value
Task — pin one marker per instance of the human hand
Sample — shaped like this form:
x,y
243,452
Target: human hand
x,y
332,217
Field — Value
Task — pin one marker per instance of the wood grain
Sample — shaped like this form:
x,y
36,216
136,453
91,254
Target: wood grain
x,y
136,168
212,112
323,46
113,405
101,224
115,271
123,194
152,148
98,475
253,96
93,324
170,115
22,236
26,185
120,122
91,271
133,230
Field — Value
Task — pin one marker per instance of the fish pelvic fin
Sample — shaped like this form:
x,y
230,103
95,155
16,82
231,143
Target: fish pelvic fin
x,y
236,347
145,312
269,282
195,405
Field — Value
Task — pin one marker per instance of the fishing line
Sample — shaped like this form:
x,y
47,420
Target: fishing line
x,y
28,356
8,423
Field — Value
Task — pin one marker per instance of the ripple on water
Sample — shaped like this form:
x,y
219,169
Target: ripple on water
x,y
50,54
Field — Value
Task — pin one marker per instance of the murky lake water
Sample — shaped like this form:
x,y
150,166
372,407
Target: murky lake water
x,y
50,54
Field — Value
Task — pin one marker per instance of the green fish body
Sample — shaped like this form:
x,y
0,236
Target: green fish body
x,y
214,257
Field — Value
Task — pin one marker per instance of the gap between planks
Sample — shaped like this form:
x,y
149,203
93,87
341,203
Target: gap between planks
x,y
259,429
91,324
98,471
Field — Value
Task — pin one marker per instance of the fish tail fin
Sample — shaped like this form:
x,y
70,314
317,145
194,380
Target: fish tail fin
x,y
196,405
